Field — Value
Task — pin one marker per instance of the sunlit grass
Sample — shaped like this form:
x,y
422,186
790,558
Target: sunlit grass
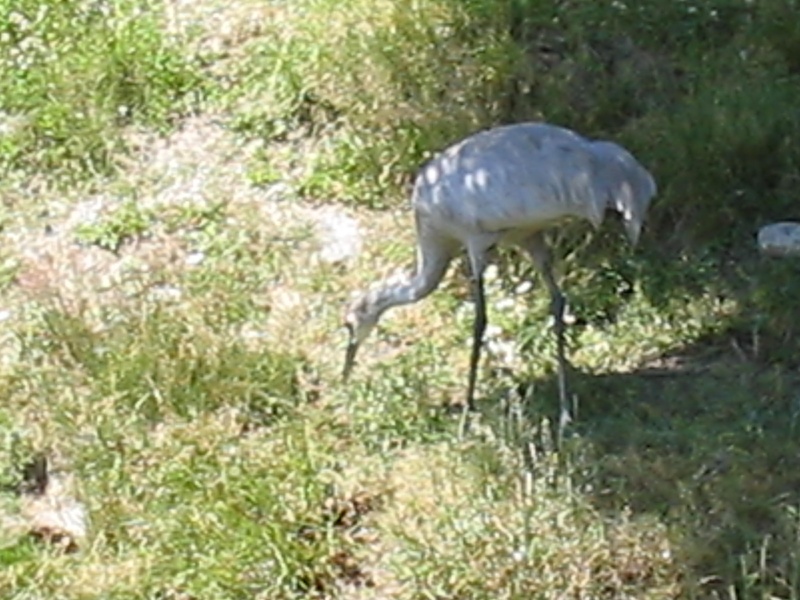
x,y
176,354
211,463
65,102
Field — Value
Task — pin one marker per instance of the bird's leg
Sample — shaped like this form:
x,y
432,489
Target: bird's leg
x,y
540,253
477,337
477,261
557,307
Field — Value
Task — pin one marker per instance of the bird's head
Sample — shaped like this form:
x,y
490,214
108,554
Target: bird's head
x,y
643,188
360,320
629,187
633,197
633,228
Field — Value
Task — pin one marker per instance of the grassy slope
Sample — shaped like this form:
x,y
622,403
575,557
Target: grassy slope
x,y
181,365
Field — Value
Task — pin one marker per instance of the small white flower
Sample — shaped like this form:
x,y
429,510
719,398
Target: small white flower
x,y
165,293
493,331
524,287
504,304
195,258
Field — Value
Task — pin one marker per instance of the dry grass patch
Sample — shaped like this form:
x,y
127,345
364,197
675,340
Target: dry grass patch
x,y
171,340
468,522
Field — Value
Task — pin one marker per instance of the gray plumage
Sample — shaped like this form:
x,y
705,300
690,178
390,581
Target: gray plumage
x,y
507,185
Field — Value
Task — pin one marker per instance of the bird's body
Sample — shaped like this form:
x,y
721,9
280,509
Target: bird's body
x,y
515,179
507,185
486,183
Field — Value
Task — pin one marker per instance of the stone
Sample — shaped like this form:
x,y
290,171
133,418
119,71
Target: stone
x,y
780,239
338,235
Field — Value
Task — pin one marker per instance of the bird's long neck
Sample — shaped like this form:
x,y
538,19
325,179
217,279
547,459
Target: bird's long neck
x,y
431,267
413,289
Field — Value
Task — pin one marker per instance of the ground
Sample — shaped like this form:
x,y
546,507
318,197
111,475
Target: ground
x,y
172,346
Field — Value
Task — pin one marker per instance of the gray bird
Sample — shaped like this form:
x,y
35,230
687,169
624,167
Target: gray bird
x,y
507,185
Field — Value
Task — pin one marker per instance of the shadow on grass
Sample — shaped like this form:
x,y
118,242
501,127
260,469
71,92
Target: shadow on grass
x,y
709,443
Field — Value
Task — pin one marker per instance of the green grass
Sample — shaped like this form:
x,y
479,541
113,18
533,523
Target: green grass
x,y
77,74
364,73
177,357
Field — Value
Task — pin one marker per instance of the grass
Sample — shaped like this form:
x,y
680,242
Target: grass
x,y
65,101
171,338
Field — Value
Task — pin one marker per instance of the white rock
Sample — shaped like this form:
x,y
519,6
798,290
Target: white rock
x,y
524,287
193,259
503,350
52,513
88,212
491,273
165,293
505,304
278,191
780,239
492,331
339,236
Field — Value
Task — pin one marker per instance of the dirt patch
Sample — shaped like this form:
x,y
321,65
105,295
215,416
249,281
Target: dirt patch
x,y
218,26
200,164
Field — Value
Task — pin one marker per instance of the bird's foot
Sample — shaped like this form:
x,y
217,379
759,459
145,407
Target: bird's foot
x,y
459,407
564,421
466,421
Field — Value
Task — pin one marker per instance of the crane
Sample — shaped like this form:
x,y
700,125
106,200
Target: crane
x,y
506,186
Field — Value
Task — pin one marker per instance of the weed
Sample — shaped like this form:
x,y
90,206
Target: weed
x,y
64,102
126,223
364,72
196,398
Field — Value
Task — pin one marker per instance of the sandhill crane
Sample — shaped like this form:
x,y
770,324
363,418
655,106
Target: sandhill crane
x,y
507,185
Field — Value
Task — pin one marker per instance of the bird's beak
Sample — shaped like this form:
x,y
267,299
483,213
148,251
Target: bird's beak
x,y
349,358
633,229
